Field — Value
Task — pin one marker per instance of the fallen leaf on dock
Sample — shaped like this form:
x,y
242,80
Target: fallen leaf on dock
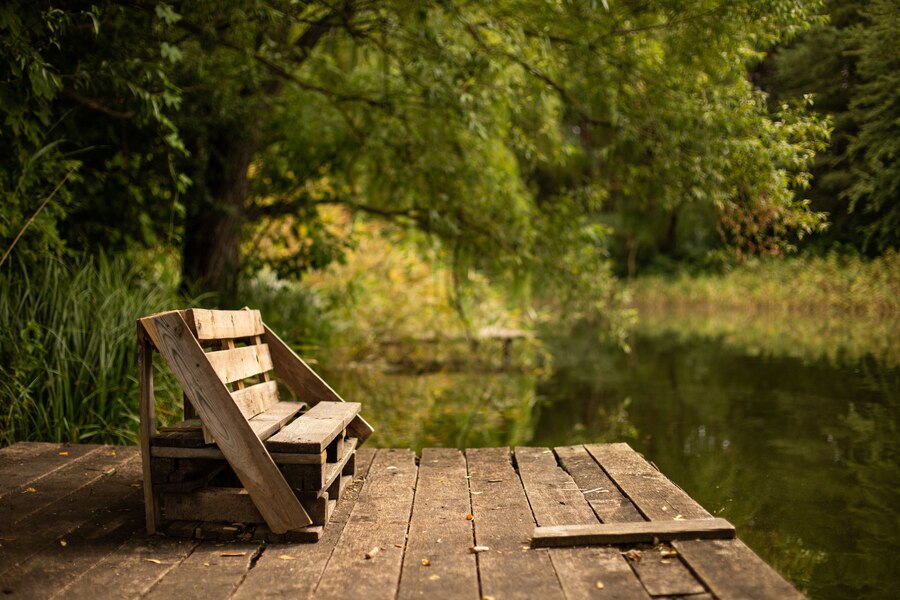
x,y
392,468
668,552
679,518
398,545
113,453
63,453
29,490
287,557
425,562
633,554
469,517
371,553
494,480
434,577
63,543
477,549
155,561
599,585
232,553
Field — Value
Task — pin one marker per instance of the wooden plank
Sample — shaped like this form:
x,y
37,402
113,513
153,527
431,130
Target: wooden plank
x,y
23,539
597,573
605,498
216,454
652,493
439,532
240,363
206,573
57,565
231,505
23,467
631,533
147,427
23,501
131,570
256,399
379,520
306,383
732,571
294,570
662,574
504,522
554,496
314,430
241,447
23,450
265,424
224,324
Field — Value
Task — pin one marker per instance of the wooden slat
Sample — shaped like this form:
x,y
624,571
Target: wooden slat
x,y
379,520
293,570
602,494
29,536
439,532
306,383
23,501
664,575
314,430
732,571
206,573
504,522
232,505
23,468
147,426
239,363
224,324
653,494
631,533
132,569
265,424
256,399
597,573
554,496
234,436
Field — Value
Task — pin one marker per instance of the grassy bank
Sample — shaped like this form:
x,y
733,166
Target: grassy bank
x,y
834,283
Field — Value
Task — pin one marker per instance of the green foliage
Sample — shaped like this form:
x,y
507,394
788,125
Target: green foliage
x,y
850,64
68,353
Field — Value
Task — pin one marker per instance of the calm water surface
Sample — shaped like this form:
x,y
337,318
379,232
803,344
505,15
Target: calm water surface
x,y
798,448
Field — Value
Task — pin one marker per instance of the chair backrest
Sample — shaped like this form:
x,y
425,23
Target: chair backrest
x,y
233,343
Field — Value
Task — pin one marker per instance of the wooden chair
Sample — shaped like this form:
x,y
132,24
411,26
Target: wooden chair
x,y
251,464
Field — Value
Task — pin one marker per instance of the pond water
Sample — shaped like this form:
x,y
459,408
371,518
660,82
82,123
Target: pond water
x,y
793,436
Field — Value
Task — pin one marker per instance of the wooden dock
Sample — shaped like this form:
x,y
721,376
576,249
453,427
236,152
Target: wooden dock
x,y
448,525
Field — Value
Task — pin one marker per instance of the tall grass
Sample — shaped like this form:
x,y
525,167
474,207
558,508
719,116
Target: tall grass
x,y
67,349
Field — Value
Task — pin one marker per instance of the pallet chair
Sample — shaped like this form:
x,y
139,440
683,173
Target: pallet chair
x,y
243,464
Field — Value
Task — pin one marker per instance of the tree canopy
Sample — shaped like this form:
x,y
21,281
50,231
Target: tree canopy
x,y
515,133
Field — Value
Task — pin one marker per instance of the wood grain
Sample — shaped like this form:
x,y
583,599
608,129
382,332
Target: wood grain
x,y
605,498
234,436
223,324
631,533
504,522
256,399
239,363
439,532
313,431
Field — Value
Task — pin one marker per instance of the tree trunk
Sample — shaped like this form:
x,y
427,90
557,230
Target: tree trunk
x,y
212,234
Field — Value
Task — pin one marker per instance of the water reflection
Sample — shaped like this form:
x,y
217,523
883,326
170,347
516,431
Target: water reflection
x,y
792,437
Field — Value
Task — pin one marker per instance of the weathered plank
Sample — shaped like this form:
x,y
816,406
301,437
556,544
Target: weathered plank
x,y
23,468
24,500
732,571
131,569
58,564
504,522
240,363
293,570
147,426
212,571
596,573
631,533
23,539
605,499
306,383
315,429
438,561
554,496
224,324
243,449
664,575
379,520
653,494
257,399
265,424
